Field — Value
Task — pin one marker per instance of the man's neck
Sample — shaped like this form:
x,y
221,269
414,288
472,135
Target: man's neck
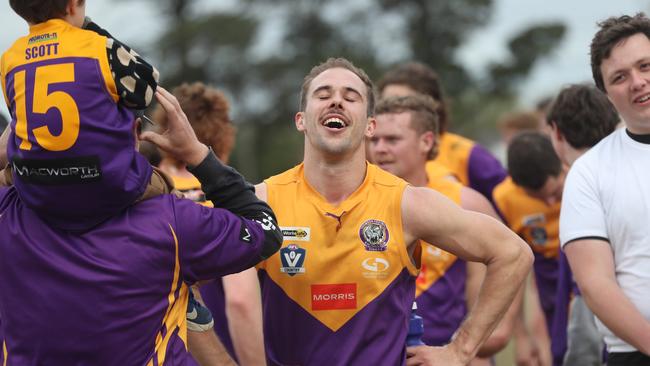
x,y
335,178
417,178
642,137
573,154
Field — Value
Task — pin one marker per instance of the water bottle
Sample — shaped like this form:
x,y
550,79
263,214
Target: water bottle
x,y
416,328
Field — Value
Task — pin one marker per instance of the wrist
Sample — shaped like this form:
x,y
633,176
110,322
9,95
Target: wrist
x,y
464,352
196,155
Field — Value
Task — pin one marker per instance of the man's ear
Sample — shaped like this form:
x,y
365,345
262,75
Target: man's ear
x,y
427,141
556,132
299,120
370,127
71,8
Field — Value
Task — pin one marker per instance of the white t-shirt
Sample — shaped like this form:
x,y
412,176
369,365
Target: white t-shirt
x,y
607,195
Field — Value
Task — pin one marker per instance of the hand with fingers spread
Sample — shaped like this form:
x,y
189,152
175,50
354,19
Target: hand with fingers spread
x,y
179,140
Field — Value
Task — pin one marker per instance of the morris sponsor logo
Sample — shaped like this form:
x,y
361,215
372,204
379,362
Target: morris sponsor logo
x,y
341,296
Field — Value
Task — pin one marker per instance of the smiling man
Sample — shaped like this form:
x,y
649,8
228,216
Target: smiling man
x,y
604,218
341,288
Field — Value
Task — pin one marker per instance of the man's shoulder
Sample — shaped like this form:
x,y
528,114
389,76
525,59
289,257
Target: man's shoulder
x,y
383,178
287,177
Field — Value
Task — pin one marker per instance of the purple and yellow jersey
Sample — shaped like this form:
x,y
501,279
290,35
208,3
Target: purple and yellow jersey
x,y
440,286
436,170
212,292
340,290
115,294
471,163
538,224
72,148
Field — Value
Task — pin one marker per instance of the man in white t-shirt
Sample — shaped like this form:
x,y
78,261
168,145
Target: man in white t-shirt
x,y
604,223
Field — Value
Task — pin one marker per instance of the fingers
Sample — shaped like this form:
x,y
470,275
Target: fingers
x,y
152,137
165,99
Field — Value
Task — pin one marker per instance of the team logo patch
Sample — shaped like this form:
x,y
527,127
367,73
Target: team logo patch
x,y
292,258
375,268
536,226
341,296
296,233
374,235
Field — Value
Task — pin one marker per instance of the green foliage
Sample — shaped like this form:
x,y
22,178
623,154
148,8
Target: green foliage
x,y
230,50
526,48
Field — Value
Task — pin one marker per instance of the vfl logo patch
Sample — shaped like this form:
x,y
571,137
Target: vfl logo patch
x,y
296,233
374,235
292,258
342,296
52,172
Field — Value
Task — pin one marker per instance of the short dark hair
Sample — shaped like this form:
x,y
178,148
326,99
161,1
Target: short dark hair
x,y
423,113
333,63
612,31
422,79
39,11
583,115
532,160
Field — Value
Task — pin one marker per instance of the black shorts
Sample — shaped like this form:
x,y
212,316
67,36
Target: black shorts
x,y
628,359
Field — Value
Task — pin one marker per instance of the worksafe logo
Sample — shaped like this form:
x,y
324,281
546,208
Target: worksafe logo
x,y
296,233
292,258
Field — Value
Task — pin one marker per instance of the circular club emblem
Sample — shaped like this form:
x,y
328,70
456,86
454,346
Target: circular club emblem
x,y
374,235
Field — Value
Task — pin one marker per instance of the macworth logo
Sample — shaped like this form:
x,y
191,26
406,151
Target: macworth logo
x,y
342,296
58,171
296,233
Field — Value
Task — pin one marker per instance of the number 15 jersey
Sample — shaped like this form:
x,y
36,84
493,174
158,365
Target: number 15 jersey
x,y
72,149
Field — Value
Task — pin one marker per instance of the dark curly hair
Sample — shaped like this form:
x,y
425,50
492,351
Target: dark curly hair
x,y
612,31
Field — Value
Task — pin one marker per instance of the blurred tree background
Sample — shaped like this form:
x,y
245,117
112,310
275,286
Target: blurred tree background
x,y
258,51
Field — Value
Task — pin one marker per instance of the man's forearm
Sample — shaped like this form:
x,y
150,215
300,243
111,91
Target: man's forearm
x,y
207,350
608,302
244,313
504,276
